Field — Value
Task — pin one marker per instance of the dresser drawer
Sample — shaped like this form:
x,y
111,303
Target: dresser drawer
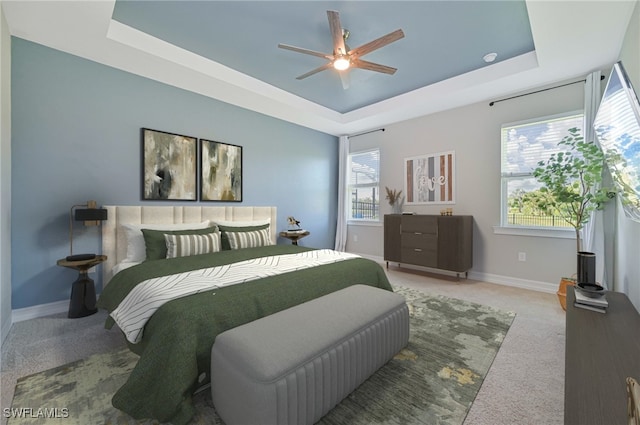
x,y
420,257
419,240
420,224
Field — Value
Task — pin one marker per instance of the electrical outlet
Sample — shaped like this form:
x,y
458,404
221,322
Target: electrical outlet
x,y
522,256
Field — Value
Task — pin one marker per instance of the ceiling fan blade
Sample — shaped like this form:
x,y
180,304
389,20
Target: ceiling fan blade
x,y
315,71
377,43
305,51
362,64
336,32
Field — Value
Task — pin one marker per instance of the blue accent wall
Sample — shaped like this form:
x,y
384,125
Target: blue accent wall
x,y
76,136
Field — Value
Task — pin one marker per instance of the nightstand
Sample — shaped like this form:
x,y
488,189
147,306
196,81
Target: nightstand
x,y
294,235
83,291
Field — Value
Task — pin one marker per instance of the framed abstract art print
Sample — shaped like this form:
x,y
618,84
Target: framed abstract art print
x,y
220,171
169,163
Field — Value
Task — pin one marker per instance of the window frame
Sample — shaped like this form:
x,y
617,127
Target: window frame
x,y
504,228
349,187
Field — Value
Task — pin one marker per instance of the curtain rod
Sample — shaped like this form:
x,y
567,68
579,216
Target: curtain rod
x,y
539,91
366,132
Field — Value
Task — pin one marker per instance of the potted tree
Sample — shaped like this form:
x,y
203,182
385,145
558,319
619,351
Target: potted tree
x,y
572,189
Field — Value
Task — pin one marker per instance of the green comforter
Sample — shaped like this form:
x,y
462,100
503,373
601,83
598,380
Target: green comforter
x,y
175,350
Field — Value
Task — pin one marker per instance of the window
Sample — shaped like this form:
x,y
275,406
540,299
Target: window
x,y
363,186
524,144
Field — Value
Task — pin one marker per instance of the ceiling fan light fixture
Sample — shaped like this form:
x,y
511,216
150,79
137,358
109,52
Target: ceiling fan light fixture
x,y
341,63
343,56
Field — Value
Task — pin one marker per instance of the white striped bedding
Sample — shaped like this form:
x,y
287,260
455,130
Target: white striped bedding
x,y
148,296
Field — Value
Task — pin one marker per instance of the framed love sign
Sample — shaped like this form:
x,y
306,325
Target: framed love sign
x,y
430,179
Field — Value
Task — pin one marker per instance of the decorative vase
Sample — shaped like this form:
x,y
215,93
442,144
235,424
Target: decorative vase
x,y
396,208
586,267
562,290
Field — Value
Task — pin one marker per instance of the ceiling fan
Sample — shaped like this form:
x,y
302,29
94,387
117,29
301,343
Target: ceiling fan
x,y
344,58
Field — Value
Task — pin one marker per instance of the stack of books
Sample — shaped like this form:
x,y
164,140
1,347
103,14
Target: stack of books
x,y
598,304
296,231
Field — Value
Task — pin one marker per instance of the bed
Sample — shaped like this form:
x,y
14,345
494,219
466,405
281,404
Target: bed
x,y
174,343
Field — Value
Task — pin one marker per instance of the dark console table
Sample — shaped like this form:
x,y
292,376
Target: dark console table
x,y
602,351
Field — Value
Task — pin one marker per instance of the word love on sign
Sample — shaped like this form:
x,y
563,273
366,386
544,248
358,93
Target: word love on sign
x,y
430,179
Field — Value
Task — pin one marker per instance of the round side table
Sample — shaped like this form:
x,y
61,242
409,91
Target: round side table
x,y
83,291
293,236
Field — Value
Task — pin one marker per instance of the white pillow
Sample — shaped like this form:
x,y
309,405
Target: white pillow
x,y
122,265
136,249
246,223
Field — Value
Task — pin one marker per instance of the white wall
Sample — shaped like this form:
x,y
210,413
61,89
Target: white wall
x,y
474,133
627,267
5,178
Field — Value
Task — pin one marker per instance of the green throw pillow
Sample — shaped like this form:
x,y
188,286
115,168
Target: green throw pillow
x,y
157,246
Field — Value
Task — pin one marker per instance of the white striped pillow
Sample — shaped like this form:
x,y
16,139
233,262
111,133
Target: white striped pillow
x,y
250,239
186,245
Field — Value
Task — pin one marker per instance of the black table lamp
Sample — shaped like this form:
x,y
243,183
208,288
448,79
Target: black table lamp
x,y
92,216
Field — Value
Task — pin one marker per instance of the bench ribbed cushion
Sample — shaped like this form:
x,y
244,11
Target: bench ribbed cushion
x,y
293,366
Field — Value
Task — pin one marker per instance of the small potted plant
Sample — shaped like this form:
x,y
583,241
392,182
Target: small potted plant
x,y
395,200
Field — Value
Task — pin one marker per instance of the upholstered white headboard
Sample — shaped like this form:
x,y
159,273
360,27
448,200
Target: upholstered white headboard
x,y
114,240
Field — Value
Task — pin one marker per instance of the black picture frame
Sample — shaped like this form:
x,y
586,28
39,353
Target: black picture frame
x,y
169,166
220,171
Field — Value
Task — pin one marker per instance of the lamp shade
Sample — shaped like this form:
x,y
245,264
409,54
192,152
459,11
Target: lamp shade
x,y
91,214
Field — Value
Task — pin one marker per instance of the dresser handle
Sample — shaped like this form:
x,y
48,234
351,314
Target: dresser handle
x,y
417,249
417,233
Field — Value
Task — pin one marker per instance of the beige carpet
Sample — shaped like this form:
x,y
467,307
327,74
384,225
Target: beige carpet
x,y
433,380
525,384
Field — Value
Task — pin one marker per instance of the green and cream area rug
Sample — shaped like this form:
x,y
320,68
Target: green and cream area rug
x,y
434,380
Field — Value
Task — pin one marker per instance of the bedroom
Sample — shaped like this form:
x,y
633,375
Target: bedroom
x,y
74,101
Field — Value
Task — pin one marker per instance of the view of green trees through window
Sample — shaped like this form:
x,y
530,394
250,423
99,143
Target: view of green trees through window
x,y
524,144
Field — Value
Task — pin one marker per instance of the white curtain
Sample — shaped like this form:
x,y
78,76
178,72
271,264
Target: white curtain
x,y
593,231
343,175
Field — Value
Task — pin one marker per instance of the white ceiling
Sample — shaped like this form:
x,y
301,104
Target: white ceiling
x,y
437,61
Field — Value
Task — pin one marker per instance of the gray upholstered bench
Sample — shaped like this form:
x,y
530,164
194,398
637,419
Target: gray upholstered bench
x,y
293,366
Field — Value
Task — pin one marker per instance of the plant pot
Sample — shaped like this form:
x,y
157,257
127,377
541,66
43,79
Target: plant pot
x,y
562,290
586,267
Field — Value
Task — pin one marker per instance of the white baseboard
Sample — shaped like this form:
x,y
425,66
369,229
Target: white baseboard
x,y
515,282
532,285
20,314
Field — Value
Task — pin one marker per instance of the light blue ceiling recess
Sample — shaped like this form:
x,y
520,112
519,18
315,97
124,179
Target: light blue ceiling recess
x,y
443,39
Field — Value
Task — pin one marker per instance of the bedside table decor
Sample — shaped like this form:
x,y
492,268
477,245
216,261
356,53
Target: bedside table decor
x,y
92,216
293,224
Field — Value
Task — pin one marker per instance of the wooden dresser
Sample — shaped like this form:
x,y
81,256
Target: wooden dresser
x,y
602,351
435,241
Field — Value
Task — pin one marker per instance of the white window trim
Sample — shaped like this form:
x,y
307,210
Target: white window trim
x,y
543,232
364,222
